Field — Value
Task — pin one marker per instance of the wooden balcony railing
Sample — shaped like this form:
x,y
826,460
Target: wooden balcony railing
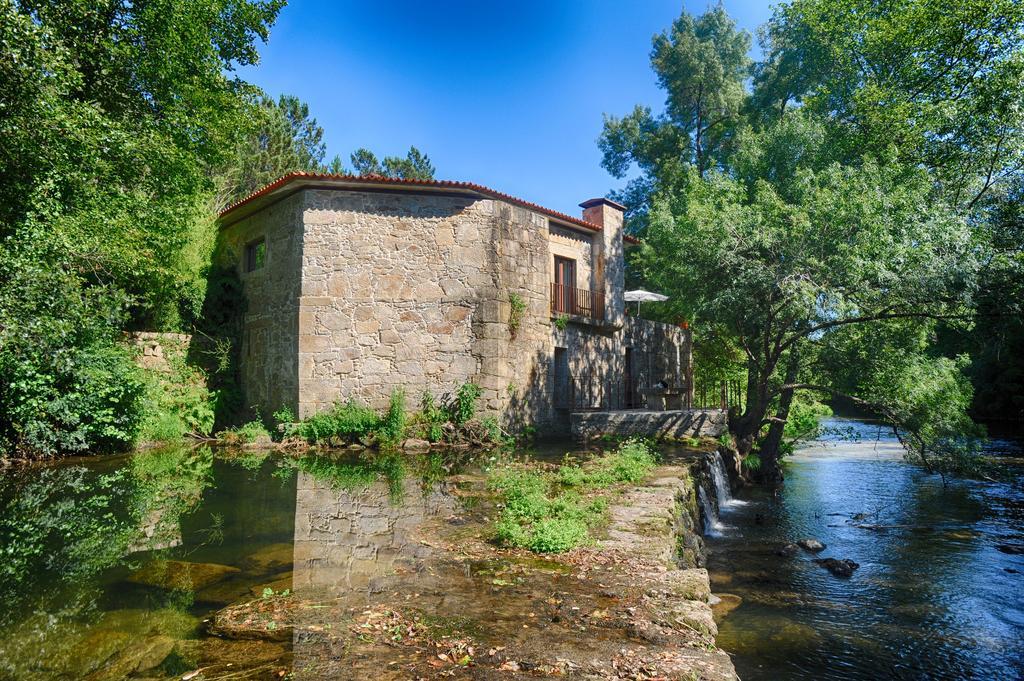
x,y
577,301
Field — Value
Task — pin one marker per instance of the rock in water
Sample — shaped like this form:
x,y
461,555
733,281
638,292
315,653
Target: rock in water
x,y
812,545
839,568
416,445
180,574
787,550
726,604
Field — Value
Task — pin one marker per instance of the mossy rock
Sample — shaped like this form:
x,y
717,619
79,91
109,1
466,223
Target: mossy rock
x,y
90,652
724,604
690,585
268,619
283,582
692,615
166,621
270,558
180,575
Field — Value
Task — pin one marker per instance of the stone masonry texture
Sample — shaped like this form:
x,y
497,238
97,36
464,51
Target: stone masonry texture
x,y
367,291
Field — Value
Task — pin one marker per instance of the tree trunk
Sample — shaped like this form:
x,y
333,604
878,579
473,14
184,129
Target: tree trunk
x,y
746,426
770,448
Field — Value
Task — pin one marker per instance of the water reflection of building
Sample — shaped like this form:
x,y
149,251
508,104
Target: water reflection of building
x,y
346,538
348,544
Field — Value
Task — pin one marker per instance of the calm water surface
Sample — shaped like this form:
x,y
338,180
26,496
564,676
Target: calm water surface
x,y
940,589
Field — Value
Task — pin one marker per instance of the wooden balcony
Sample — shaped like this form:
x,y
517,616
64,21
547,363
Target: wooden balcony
x,y
581,302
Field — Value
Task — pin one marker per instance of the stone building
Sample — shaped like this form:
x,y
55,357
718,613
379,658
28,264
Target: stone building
x,y
358,286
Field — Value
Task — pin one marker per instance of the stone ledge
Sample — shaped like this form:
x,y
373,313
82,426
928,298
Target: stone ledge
x,y
674,424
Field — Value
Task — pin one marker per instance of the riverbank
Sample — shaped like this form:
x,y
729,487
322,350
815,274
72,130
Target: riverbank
x,y
250,566
937,593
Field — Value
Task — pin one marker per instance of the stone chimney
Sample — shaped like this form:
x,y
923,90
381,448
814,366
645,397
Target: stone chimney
x,y
611,266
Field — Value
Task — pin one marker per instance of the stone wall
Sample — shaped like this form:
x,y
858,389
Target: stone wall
x,y
661,352
270,330
368,291
155,348
657,424
411,291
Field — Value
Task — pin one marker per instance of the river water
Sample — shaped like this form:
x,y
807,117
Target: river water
x,y
939,593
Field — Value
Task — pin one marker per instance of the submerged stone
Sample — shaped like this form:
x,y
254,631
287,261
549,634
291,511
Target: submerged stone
x,y
270,558
839,568
788,550
724,604
812,545
269,619
180,574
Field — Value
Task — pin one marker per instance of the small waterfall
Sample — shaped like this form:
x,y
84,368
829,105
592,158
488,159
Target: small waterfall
x,y
712,526
713,508
721,480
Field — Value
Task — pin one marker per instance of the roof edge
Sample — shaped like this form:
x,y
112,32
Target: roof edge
x,y
356,181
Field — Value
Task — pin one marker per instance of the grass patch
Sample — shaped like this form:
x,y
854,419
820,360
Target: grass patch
x,y
247,434
553,512
346,420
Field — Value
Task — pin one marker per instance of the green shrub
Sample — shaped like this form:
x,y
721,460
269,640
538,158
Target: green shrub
x,y
463,407
177,404
517,308
284,416
494,432
67,382
535,518
432,418
346,420
391,428
555,535
538,512
248,433
631,462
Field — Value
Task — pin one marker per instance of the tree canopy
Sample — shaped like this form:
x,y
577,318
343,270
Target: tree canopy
x,y
851,211
123,130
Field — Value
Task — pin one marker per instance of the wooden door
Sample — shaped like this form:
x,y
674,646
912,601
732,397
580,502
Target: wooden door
x,y
565,284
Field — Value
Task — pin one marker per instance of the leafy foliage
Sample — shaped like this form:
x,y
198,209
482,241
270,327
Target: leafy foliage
x,y
66,382
517,308
346,420
282,138
554,512
114,116
463,407
701,63
848,189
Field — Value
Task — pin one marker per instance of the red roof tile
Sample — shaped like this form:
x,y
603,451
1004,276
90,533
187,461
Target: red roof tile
x,y
432,184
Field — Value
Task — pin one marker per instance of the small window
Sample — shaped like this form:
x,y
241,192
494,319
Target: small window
x,y
255,255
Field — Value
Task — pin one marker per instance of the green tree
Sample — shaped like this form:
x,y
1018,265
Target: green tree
x,y
114,115
941,83
863,192
284,139
784,255
415,166
701,63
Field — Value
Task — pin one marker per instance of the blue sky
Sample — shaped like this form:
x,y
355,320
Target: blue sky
x,y
510,95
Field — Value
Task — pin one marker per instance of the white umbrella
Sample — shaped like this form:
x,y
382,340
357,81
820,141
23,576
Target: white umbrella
x,y
641,295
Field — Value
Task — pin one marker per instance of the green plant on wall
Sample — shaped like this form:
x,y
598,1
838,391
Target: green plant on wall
x,y
561,322
517,308
464,406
